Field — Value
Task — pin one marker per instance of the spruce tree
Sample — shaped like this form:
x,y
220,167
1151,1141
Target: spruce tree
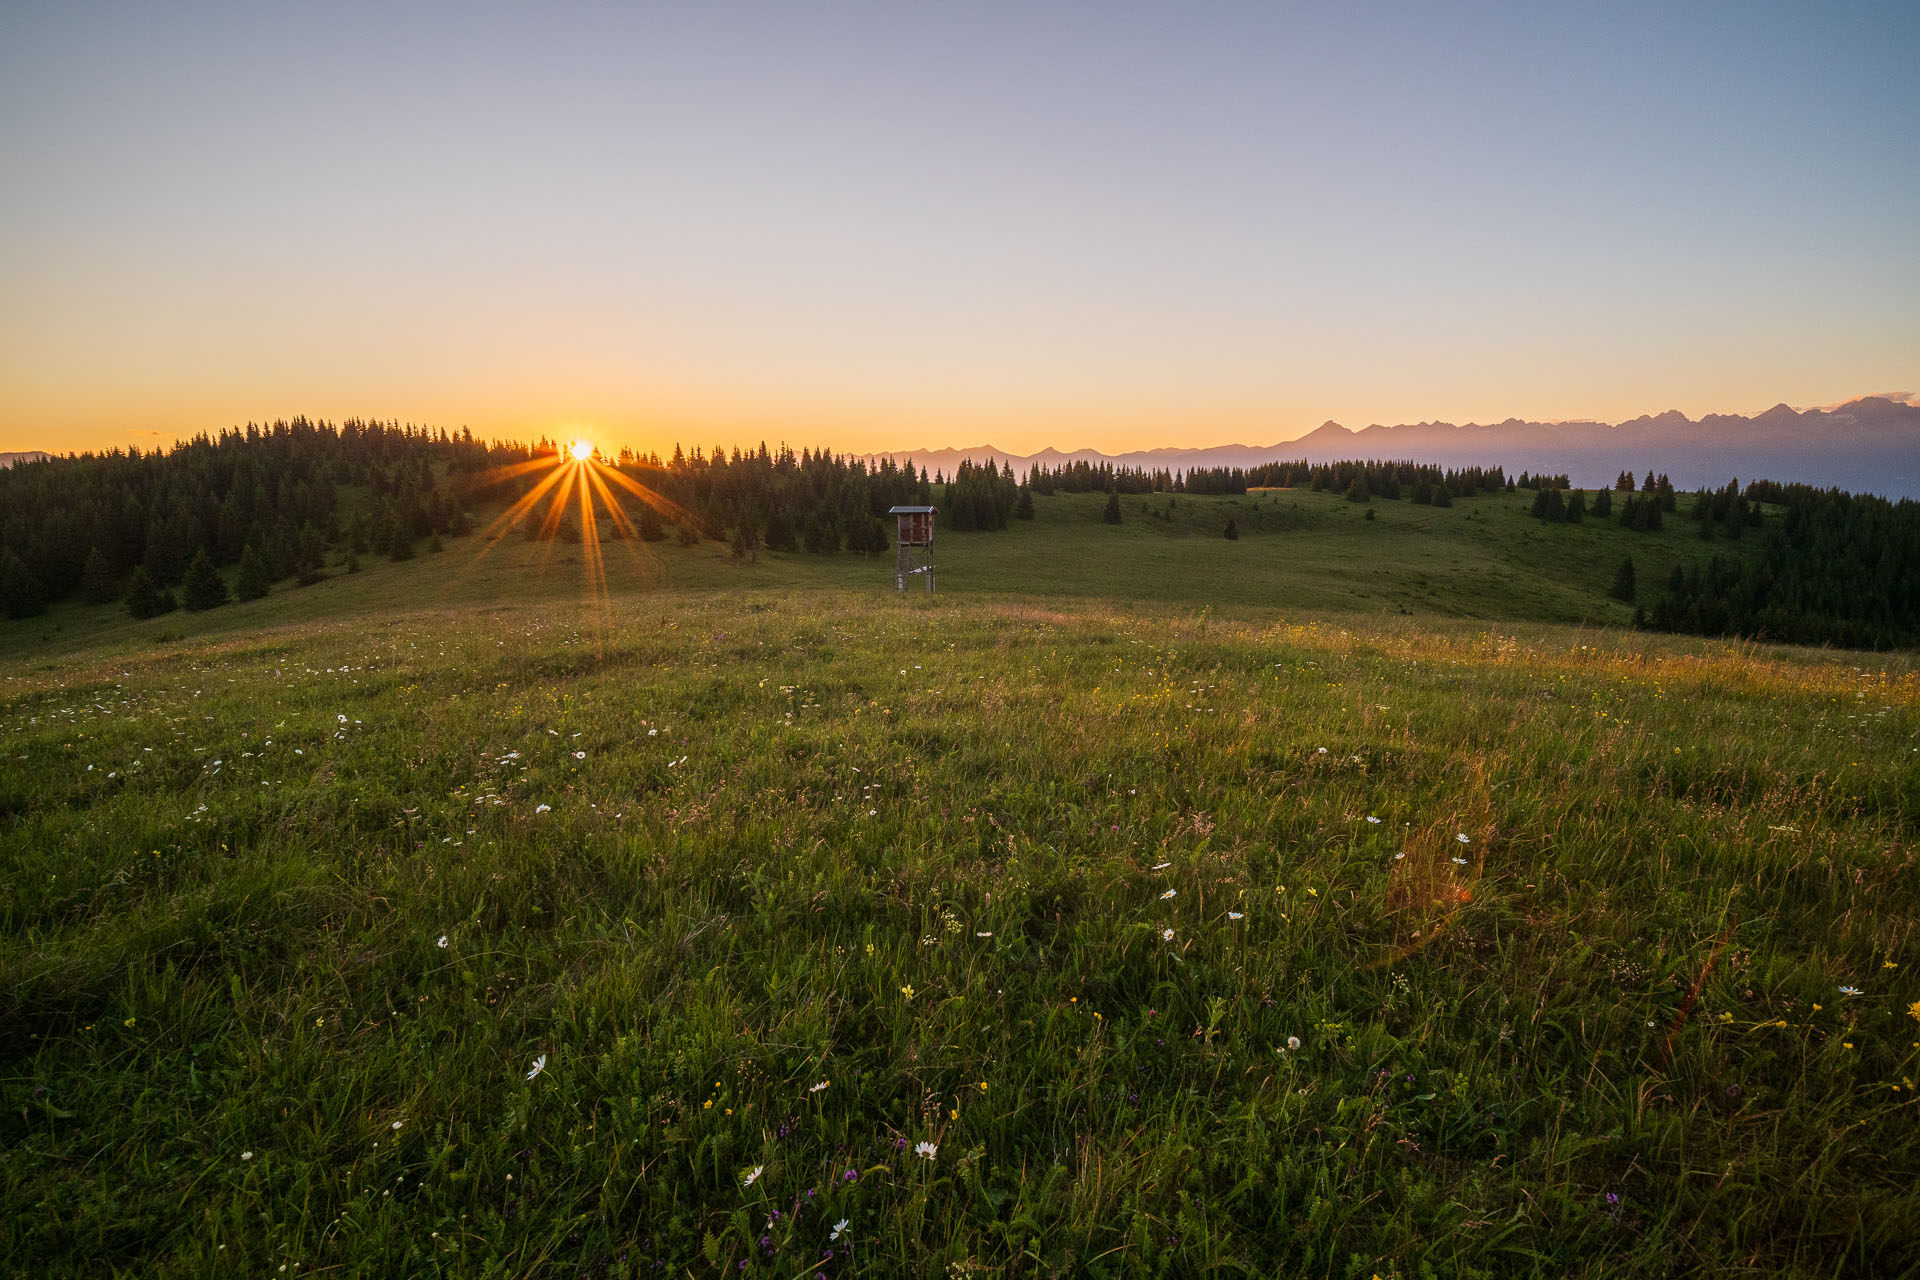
x,y
1112,513
203,588
1357,491
1602,503
96,580
1576,506
20,594
1233,530
1023,509
142,600
253,580
779,532
1623,582
398,540
649,525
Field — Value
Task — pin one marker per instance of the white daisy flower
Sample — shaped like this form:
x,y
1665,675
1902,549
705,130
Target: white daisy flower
x,y
926,1150
1375,821
815,1088
442,944
838,1227
539,1065
1168,894
544,808
1464,838
1849,991
748,1180
1161,866
1235,915
1166,935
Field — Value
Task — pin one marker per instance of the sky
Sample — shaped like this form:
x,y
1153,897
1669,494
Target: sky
x,y
894,225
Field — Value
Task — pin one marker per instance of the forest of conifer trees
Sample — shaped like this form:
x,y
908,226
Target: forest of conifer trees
x,y
233,516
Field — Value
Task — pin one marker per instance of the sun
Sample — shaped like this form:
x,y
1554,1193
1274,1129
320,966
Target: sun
x,y
581,450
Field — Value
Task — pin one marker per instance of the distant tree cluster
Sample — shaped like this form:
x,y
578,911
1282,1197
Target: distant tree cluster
x,y
812,500
1835,568
1555,502
137,526
1376,479
1725,511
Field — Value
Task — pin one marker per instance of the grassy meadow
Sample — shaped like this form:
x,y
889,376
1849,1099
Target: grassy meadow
x,y
1358,898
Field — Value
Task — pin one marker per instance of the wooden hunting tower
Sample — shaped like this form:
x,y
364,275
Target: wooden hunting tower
x,y
914,546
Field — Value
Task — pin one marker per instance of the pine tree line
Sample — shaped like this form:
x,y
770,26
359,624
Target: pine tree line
x,y
1835,568
267,499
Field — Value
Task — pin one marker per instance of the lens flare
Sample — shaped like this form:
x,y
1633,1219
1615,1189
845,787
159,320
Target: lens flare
x,y
577,488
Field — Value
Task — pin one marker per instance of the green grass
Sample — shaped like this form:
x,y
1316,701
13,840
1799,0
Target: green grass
x,y
913,849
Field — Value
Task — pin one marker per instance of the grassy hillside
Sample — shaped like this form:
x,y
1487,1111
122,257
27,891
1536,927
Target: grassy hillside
x,y
1481,558
1199,912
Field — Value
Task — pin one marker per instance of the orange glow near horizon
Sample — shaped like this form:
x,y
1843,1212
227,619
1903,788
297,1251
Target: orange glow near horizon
x,y
576,484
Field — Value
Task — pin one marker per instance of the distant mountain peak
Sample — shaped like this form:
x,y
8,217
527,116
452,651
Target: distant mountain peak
x,y
1869,445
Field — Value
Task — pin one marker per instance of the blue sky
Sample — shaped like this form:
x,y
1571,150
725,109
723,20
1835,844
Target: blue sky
x,y
890,226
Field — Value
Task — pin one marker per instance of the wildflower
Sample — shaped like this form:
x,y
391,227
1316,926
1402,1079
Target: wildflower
x,y
1460,862
815,1088
1293,1042
872,813
1849,991
748,1180
246,1155
838,1227
1398,856
1375,821
907,991
1463,838
542,808
442,944
1168,894
398,1123
539,1065
579,755
1322,751
925,1150
1236,915
1166,935
1914,1009
1161,866
987,934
